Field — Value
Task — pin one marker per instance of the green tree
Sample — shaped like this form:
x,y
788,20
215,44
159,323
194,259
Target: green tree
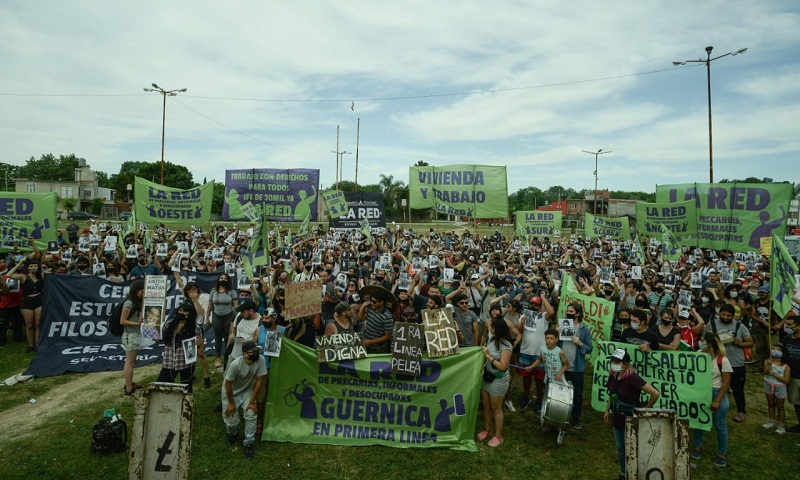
x,y
50,167
7,174
176,176
218,198
69,204
97,206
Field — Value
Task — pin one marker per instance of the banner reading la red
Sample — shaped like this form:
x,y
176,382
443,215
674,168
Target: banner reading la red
x,y
733,216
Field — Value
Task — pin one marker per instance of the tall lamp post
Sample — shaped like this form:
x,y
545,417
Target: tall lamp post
x,y
163,93
708,61
596,154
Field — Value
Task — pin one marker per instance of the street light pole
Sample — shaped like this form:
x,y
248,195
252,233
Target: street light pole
x,y
596,154
164,93
708,61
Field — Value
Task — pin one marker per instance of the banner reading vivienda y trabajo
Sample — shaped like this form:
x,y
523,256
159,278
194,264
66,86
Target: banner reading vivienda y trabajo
x,y
288,195
680,218
596,226
361,402
683,380
156,203
473,191
27,215
538,223
733,216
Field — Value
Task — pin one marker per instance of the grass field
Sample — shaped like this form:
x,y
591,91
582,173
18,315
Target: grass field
x,y
58,446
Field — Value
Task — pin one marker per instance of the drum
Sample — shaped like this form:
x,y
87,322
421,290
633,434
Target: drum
x,y
557,405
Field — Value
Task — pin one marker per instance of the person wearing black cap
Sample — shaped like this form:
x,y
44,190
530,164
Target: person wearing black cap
x,y
243,380
624,387
342,320
244,327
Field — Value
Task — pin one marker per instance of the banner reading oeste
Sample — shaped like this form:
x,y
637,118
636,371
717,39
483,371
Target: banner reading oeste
x,y
361,402
538,223
683,380
680,218
733,216
596,226
288,195
474,191
598,313
156,203
27,215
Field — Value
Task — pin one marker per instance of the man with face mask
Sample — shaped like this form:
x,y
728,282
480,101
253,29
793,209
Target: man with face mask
x,y
244,327
81,267
736,337
144,267
243,380
576,350
639,332
659,298
535,322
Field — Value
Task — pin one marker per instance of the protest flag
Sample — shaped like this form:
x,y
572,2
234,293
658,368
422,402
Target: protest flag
x,y
782,271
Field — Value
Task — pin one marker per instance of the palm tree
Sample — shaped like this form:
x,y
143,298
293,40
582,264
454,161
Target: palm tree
x,y
392,192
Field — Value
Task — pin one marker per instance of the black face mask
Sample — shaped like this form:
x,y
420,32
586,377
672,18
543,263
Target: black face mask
x,y
252,356
608,292
659,289
571,316
142,261
269,323
180,317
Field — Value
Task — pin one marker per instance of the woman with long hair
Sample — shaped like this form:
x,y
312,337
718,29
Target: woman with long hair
x,y
222,303
131,318
721,373
497,353
31,285
182,327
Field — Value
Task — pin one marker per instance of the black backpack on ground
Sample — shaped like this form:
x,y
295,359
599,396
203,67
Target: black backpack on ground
x,y
109,435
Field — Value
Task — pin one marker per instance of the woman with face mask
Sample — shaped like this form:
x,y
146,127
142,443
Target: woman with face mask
x,y
222,303
624,390
705,306
720,382
182,339
31,285
669,337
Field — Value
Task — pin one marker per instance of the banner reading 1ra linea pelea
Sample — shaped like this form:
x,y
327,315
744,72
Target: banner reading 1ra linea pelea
x,y
733,216
361,402
156,203
473,191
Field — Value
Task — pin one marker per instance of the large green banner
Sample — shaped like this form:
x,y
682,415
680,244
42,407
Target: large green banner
x,y
474,191
783,269
361,402
538,223
156,203
615,227
598,313
27,215
683,380
680,218
733,216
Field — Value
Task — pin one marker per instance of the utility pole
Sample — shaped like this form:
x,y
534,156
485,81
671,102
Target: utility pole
x,y
596,154
163,93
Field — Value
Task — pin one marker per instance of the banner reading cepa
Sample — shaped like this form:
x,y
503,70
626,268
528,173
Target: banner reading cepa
x,y
361,402
156,203
27,215
473,191
733,216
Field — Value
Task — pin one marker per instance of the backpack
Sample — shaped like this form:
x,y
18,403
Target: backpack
x,y
109,435
114,325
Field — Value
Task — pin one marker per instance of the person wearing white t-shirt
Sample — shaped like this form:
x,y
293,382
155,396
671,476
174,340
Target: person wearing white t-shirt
x,y
536,320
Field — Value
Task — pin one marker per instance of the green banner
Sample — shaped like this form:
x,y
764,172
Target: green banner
x,y
782,271
337,205
538,223
733,216
27,215
683,380
598,313
361,402
156,203
474,191
596,226
680,218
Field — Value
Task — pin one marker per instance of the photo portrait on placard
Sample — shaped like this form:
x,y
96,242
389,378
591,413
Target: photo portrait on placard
x,y
567,329
189,350
273,342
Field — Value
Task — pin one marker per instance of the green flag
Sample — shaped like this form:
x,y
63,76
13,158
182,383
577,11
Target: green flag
x,y
337,205
782,271
130,226
637,252
366,230
670,247
303,230
26,215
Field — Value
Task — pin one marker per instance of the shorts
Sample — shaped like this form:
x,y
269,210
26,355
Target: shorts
x,y
777,389
793,391
31,303
525,360
131,339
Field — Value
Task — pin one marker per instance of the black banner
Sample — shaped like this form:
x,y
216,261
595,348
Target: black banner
x,y
74,327
362,205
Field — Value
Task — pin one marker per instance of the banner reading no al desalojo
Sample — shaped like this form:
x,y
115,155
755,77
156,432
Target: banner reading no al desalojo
x,y
361,402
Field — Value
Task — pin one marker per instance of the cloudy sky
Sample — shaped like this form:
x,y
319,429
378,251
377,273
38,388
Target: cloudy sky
x,y
528,85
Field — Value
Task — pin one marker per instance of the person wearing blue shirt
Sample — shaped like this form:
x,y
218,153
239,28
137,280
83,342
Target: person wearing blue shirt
x,y
576,349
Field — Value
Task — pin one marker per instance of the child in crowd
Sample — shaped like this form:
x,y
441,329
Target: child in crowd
x,y
776,377
554,359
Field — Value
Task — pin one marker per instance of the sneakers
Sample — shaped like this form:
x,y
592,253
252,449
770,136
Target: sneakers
x,y
495,442
510,405
770,425
524,402
576,424
696,454
248,452
740,417
781,430
207,382
482,436
720,462
537,406
795,429
232,438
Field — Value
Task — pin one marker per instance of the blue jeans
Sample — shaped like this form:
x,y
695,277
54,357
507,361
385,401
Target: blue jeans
x,y
619,436
720,425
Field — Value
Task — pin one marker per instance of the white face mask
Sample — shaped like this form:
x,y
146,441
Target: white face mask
x,y
635,325
734,294
616,367
701,345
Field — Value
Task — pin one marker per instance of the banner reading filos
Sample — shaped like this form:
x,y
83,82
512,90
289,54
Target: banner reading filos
x,y
473,191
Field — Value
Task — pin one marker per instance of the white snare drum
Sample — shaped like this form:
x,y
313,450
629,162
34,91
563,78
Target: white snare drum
x,y
557,405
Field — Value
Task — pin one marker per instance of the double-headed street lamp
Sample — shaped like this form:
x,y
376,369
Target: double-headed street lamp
x,y
596,154
164,93
708,61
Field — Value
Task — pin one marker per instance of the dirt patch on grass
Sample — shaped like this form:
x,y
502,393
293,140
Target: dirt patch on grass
x,y
22,421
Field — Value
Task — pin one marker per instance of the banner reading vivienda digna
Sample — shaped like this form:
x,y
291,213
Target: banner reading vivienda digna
x,y
538,223
473,191
596,226
683,380
27,215
733,216
156,203
680,218
288,195
361,402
